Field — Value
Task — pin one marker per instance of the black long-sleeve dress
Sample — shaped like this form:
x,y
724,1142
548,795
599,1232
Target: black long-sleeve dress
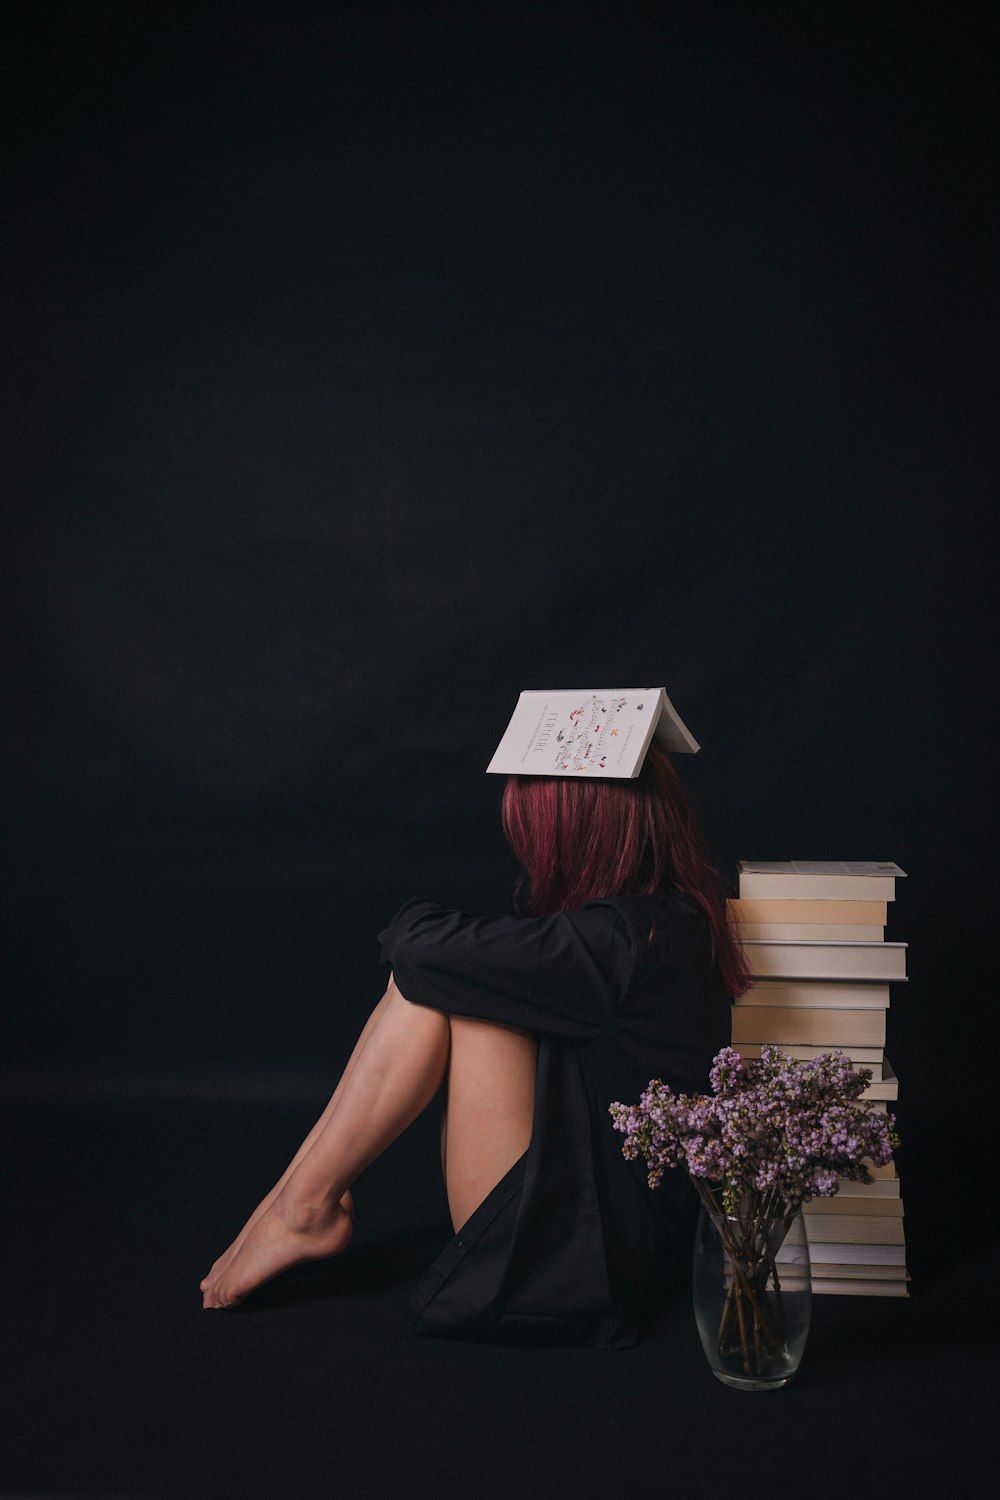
x,y
564,1247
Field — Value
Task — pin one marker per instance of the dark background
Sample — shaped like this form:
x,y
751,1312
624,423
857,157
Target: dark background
x,y
369,363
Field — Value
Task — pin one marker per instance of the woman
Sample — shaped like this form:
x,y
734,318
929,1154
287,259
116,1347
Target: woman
x,y
531,1026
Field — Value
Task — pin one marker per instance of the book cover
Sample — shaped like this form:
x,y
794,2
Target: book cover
x,y
588,732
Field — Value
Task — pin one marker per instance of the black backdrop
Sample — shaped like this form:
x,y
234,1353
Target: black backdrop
x,y
373,362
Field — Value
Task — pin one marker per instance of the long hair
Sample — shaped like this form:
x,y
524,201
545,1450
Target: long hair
x,y
581,840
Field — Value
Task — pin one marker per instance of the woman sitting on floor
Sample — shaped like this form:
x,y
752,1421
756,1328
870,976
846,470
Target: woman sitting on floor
x,y
530,1026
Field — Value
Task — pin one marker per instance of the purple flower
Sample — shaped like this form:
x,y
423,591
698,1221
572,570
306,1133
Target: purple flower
x,y
775,1126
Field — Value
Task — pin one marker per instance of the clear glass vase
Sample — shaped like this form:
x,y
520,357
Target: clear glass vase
x,y
752,1292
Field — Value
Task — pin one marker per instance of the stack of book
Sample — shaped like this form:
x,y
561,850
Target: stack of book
x,y
814,936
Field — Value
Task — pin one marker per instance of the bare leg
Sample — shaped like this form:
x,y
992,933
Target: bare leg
x,y
489,1109
393,1078
307,1144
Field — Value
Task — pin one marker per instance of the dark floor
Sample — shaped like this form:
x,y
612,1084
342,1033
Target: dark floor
x,y
122,1387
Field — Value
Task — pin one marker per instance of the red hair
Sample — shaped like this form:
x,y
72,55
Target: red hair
x,y
581,840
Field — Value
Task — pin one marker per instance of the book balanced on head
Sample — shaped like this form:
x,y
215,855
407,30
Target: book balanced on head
x,y
588,732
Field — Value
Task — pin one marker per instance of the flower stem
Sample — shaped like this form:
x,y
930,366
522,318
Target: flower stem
x,y
747,1246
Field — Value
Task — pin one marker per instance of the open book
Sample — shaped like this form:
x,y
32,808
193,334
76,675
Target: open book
x,y
588,732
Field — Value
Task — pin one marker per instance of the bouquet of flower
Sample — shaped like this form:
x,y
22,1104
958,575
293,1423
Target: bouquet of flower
x,y
773,1134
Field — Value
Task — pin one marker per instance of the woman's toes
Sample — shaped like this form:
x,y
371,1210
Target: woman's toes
x,y
274,1243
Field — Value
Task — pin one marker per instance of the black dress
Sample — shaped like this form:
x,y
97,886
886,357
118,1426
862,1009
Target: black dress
x,y
565,1246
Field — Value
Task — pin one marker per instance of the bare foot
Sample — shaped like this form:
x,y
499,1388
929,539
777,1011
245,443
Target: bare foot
x,y
227,1256
282,1237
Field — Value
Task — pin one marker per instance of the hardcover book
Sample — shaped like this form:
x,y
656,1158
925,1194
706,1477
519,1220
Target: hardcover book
x,y
843,1287
836,995
885,1087
812,932
808,1027
855,1229
588,732
773,909
869,1273
844,1252
872,1058
882,1187
843,1205
818,879
777,959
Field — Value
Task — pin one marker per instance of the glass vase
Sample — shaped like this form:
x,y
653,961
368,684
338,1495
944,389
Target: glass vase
x,y
752,1291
